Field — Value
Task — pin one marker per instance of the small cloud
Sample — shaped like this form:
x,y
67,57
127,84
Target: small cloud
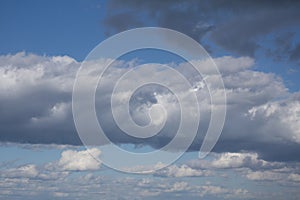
x,y
181,171
72,160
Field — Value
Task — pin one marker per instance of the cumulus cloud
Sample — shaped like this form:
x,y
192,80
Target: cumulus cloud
x,y
27,171
53,181
235,160
35,96
262,116
181,171
93,186
72,160
251,167
281,115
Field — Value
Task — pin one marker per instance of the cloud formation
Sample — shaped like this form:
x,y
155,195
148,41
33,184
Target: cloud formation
x,y
210,179
181,171
79,160
262,116
238,27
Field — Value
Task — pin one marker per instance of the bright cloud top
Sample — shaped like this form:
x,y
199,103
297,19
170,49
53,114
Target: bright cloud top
x,y
80,160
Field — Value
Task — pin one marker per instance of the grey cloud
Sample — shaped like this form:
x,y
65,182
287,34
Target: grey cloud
x,y
181,171
241,34
35,98
120,25
295,53
239,27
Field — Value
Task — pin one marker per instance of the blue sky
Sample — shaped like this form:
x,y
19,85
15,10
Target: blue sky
x,y
51,28
255,44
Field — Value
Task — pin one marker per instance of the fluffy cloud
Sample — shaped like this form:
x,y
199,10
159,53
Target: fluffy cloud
x,y
35,96
80,160
27,171
235,160
251,167
52,180
281,115
181,171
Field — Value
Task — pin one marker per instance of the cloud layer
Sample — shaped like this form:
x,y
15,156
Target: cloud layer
x,y
242,28
262,116
212,178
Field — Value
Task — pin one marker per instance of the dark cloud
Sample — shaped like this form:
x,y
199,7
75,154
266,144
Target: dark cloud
x,y
295,53
33,109
120,25
239,27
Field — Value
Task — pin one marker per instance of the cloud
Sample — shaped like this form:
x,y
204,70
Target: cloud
x,y
35,95
181,171
234,161
264,176
238,27
294,177
281,115
31,171
295,53
262,116
27,171
183,189
93,186
225,192
251,167
173,182
80,160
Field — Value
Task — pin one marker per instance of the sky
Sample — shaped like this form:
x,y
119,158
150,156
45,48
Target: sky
x,y
255,46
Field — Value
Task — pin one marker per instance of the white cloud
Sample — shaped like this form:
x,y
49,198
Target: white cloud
x,y
26,171
32,171
264,176
281,116
210,189
294,177
250,166
178,187
181,171
60,194
28,71
235,160
80,160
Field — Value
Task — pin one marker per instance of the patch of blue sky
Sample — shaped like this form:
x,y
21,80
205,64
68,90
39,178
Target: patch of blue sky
x,y
18,155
